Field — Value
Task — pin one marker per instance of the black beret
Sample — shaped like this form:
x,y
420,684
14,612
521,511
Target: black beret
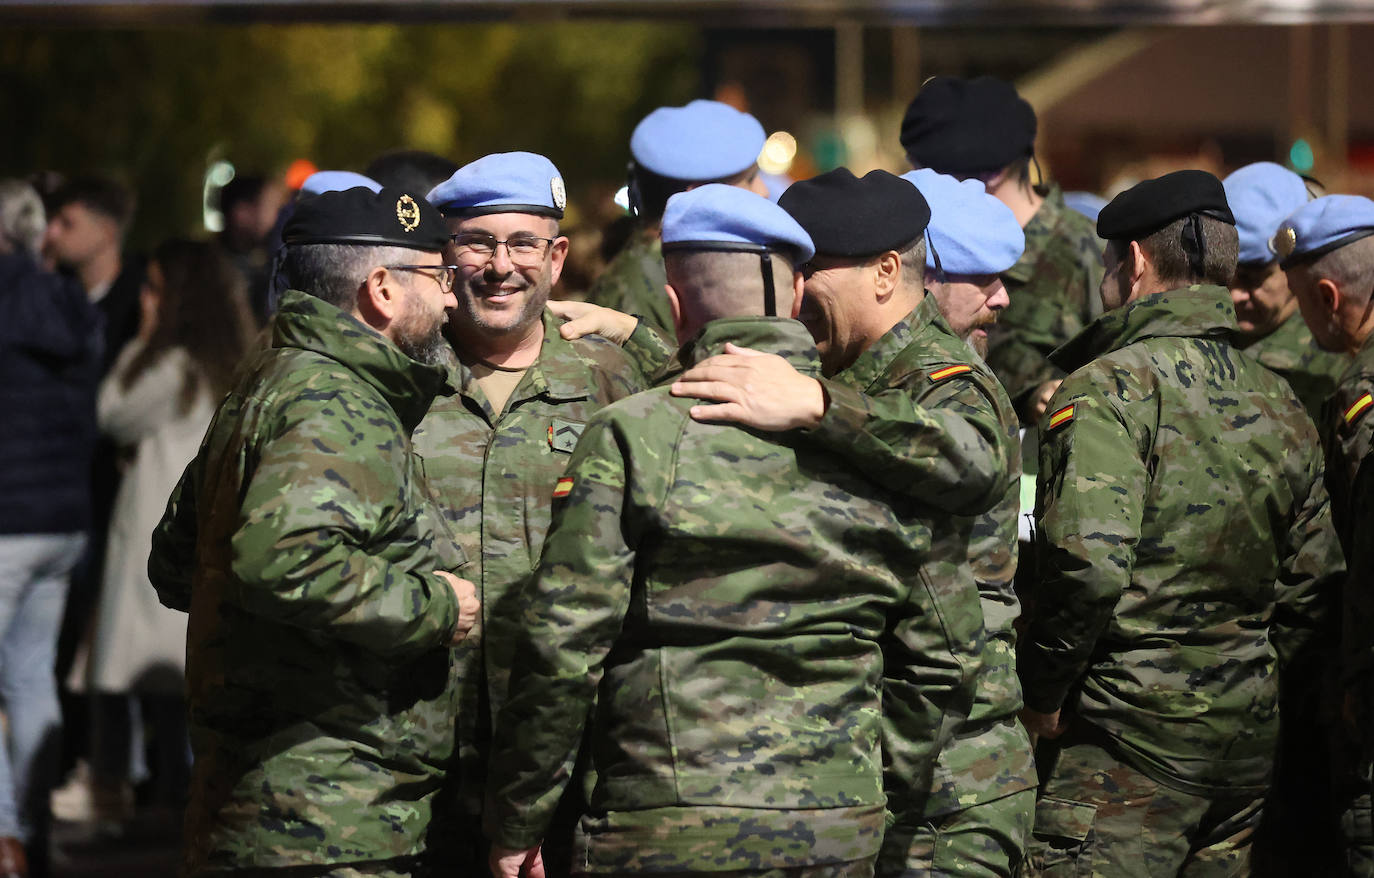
x,y
1149,206
967,126
389,218
847,216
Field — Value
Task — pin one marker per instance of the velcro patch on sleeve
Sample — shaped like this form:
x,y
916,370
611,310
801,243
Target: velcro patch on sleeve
x,y
949,372
1359,407
1062,417
563,488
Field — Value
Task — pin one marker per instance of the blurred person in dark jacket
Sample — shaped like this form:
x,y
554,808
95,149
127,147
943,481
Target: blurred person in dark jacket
x,y
50,352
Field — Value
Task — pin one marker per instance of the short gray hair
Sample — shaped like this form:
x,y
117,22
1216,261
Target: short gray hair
x,y
334,272
22,221
1351,267
914,263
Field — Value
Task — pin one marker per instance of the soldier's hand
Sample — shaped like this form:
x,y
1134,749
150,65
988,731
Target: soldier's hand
x,y
468,605
507,863
1043,725
759,390
584,318
1040,399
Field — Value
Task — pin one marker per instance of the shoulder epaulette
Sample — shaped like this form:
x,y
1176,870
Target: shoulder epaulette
x,y
948,372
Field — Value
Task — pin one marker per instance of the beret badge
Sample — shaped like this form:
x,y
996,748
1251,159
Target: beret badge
x,y
1285,242
408,213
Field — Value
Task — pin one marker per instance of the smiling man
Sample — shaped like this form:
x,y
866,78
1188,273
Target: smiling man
x,y
496,445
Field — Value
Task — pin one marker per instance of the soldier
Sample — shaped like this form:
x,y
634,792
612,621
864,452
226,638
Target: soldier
x,y
1271,330
674,149
726,624
1186,554
981,128
496,444
1327,249
900,409
305,545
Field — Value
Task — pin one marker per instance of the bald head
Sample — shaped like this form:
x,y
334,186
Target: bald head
x,y
710,285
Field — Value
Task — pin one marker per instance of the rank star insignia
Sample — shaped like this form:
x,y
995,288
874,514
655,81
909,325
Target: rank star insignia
x,y
560,195
408,213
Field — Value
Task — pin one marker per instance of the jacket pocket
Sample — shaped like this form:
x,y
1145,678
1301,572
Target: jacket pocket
x,y
1063,835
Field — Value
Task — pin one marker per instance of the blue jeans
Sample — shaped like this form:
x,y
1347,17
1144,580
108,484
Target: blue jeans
x,y
34,571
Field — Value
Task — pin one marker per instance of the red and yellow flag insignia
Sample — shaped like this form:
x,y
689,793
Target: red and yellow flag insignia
x,y
1359,407
949,372
563,488
1061,417
550,435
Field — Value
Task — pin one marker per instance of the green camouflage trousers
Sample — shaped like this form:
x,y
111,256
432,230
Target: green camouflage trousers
x,y
852,869
1097,816
400,867
986,841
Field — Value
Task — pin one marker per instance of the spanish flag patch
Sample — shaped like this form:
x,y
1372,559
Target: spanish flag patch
x,y
563,488
1061,417
949,372
1359,407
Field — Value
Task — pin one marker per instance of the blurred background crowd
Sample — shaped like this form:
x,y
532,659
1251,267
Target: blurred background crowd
x,y
149,162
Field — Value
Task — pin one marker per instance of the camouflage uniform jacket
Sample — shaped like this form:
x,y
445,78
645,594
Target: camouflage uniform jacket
x,y
727,601
633,283
302,541
494,474
1350,439
902,409
1053,293
1291,351
1185,542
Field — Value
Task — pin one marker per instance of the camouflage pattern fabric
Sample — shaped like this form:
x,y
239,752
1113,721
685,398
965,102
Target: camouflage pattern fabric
x,y
302,541
919,412
1349,420
1100,816
1291,352
986,840
1053,291
494,474
727,601
852,869
633,283
1185,544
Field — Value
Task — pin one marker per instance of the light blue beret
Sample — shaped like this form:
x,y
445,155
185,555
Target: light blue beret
x,y
1323,225
1261,195
705,140
721,217
337,181
972,231
505,182
1089,204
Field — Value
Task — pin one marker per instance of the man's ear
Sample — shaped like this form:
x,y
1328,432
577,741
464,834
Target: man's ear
x,y
798,290
558,254
379,298
1139,265
1329,294
887,275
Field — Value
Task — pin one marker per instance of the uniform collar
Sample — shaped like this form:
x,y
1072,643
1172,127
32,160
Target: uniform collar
x,y
875,360
773,335
310,323
559,373
1197,311
1044,223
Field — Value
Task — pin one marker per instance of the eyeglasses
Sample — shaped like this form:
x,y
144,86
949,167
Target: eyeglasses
x,y
523,249
444,275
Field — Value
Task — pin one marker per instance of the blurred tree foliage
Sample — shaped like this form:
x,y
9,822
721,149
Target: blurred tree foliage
x,y
154,106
